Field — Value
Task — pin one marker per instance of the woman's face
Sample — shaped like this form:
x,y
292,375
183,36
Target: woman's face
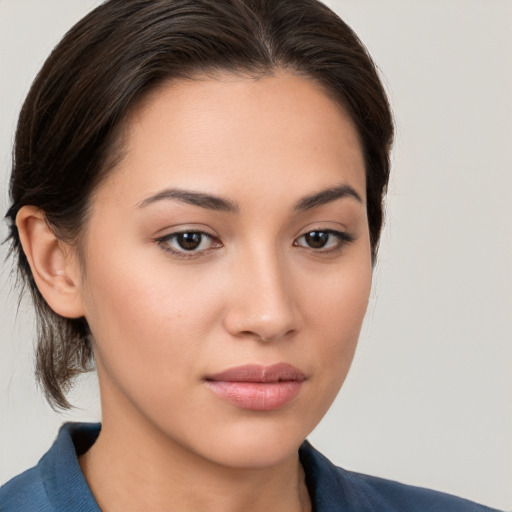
x,y
228,267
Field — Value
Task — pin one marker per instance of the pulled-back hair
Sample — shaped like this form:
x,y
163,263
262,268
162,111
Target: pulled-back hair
x,y
68,134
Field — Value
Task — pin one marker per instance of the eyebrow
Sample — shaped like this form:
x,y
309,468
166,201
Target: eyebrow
x,y
200,199
327,196
217,203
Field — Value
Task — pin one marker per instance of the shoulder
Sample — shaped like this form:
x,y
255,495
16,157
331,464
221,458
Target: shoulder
x,y
25,492
56,483
398,496
335,489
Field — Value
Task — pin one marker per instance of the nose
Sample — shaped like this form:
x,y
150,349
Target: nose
x,y
262,303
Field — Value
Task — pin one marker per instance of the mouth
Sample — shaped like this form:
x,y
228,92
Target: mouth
x,y
257,387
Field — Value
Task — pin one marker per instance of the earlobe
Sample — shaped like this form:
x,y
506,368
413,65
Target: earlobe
x,y
53,263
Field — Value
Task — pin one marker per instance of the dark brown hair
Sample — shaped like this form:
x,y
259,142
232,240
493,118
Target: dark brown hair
x,y
69,124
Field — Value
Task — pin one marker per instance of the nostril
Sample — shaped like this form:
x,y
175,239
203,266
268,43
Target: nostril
x,y
266,338
251,334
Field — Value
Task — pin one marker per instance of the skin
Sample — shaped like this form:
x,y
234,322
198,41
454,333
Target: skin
x,y
256,292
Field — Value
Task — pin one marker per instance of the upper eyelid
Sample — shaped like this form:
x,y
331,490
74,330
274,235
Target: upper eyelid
x,y
345,236
322,224
341,234
176,230
335,231
184,231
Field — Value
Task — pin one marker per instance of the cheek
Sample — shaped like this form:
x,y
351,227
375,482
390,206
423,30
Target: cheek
x,y
344,306
334,317
337,298
145,316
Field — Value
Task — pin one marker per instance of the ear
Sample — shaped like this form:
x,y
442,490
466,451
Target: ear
x,y
54,264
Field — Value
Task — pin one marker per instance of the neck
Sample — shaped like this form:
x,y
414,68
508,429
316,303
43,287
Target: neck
x,y
137,467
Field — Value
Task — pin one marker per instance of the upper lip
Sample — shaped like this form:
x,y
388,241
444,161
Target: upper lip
x,y
278,372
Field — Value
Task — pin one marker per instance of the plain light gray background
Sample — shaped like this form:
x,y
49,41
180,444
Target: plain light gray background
x,y
429,397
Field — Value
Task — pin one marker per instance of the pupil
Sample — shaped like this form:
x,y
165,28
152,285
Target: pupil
x,y
189,241
317,239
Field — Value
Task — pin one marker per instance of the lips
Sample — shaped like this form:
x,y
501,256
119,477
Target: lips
x,y
256,387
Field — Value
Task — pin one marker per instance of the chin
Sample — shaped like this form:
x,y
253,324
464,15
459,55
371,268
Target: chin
x,y
255,452
257,442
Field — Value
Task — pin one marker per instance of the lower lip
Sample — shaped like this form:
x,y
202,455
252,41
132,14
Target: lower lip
x,y
256,396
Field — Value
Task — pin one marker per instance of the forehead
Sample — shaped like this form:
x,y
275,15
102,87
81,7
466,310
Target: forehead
x,y
232,131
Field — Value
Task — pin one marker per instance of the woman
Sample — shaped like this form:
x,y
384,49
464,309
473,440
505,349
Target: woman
x,y
196,204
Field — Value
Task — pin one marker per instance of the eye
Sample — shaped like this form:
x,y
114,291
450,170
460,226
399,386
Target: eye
x,y
324,240
188,243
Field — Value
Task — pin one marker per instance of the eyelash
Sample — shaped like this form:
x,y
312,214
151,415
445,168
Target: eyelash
x,y
164,243
342,239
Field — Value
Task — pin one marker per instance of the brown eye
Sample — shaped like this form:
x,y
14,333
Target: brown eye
x,y
324,240
189,241
317,239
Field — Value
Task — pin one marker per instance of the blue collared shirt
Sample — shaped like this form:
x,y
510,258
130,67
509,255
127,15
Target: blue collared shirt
x,y
57,483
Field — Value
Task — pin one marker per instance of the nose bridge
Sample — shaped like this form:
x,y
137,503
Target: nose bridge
x,y
263,304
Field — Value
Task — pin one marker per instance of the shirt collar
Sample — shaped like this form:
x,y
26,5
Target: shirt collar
x,y
63,479
330,488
